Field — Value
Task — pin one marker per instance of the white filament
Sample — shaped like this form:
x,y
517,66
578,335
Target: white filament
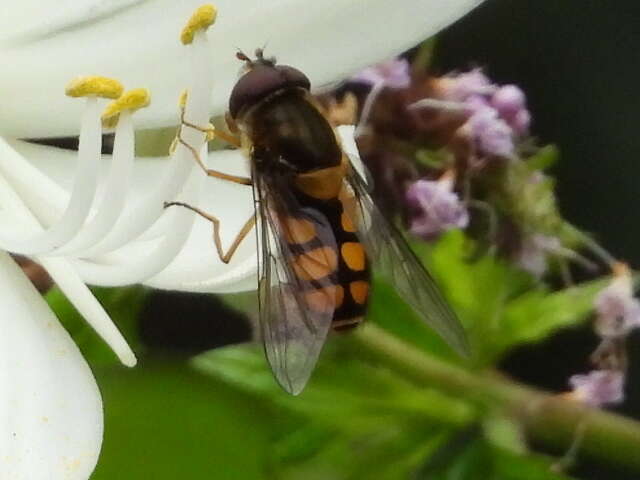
x,y
84,189
115,191
138,270
150,208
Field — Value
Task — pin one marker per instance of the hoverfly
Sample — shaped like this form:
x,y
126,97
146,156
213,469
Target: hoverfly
x,y
318,230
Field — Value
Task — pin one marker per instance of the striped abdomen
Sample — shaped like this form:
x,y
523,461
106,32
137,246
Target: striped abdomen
x,y
342,272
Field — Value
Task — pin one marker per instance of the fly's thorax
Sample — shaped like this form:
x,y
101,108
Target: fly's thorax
x,y
289,133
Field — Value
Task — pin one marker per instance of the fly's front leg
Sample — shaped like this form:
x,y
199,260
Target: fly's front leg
x,y
211,133
244,231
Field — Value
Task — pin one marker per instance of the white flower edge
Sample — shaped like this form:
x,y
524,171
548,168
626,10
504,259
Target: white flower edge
x,y
320,38
49,402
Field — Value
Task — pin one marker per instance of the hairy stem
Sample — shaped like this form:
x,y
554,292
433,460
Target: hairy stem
x,y
549,419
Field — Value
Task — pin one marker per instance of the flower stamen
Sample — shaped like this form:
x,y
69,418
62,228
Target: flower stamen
x,y
117,184
201,19
85,183
128,102
94,85
142,216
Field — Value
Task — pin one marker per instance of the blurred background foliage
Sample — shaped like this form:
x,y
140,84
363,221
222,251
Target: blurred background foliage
x,y
193,411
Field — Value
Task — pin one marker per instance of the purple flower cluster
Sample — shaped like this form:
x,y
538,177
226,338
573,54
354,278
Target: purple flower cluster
x,y
497,114
598,387
617,313
533,253
393,73
435,208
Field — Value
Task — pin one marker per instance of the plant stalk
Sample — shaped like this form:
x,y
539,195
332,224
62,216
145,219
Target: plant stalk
x,y
547,418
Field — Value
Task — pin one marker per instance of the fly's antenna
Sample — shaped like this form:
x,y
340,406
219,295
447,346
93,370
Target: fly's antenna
x,y
261,58
240,55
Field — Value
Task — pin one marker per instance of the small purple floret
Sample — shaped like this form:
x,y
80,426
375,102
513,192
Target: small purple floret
x,y
599,387
618,312
492,134
461,86
393,73
435,207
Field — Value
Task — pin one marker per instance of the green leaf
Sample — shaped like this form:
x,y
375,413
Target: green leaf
x,y
163,421
535,315
477,290
499,305
122,305
345,391
504,432
468,456
354,419
546,157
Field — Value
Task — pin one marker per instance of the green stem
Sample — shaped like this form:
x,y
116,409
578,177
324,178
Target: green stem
x,y
550,419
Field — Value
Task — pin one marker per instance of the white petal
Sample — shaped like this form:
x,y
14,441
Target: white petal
x,y
197,267
88,306
50,406
15,216
327,39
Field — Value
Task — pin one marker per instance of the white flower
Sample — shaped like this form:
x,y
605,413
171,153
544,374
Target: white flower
x,y
105,224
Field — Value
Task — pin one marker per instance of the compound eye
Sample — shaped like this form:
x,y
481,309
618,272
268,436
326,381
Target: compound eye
x,y
262,80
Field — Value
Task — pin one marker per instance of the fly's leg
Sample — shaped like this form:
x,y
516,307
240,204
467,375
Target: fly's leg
x,y
211,133
244,231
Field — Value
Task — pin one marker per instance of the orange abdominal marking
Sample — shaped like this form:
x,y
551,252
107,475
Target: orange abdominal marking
x,y
325,299
322,184
353,255
347,224
299,230
316,264
359,291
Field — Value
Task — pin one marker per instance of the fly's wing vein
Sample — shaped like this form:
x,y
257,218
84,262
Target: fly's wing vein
x,y
393,257
293,333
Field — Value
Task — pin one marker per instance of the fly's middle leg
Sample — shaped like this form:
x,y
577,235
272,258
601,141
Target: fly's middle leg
x,y
225,257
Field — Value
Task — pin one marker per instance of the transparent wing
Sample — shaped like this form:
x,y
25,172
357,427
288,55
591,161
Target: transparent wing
x,y
393,257
295,314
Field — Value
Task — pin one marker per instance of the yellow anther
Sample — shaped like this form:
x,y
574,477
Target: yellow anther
x,y
182,101
131,100
94,85
201,19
